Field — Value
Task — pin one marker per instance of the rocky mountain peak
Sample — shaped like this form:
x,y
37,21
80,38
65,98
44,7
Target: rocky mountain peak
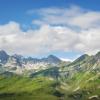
x,y
3,56
97,56
81,58
52,58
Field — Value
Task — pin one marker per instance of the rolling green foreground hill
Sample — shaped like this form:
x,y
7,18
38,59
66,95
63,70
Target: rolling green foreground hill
x,y
82,86
22,88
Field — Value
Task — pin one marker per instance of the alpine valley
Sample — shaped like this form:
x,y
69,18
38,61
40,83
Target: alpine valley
x,y
27,78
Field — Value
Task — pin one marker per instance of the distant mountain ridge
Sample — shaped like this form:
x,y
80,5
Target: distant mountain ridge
x,y
50,59
17,63
21,65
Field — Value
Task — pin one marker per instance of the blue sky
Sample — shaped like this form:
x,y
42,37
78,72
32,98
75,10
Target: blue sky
x,y
32,21
16,9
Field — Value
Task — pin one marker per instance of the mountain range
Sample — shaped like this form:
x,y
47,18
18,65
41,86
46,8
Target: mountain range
x,y
49,78
18,64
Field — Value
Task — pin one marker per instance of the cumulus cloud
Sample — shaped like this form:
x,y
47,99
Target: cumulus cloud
x,y
73,16
61,29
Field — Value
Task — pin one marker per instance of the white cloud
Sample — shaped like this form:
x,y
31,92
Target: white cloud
x,y
58,32
73,16
56,15
86,20
10,28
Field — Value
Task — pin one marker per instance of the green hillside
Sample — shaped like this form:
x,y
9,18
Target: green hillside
x,y
82,86
22,88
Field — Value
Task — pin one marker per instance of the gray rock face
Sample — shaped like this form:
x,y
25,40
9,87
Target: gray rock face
x,y
50,60
21,63
3,57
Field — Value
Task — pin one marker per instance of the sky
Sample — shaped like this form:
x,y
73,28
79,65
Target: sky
x,y
37,28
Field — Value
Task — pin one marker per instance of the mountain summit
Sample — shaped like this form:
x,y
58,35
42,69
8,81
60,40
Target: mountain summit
x,y
3,56
51,59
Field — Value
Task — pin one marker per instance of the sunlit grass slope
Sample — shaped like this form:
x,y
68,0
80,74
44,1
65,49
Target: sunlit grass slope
x,y
22,88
